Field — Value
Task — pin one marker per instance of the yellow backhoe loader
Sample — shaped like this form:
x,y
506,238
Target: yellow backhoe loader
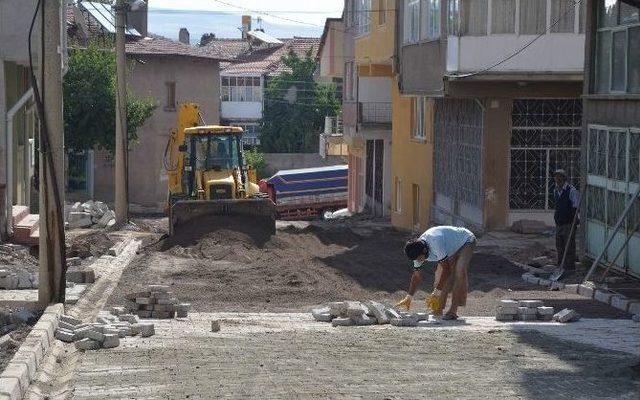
x,y
210,185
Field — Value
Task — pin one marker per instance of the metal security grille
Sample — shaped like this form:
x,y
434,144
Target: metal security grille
x,y
458,150
613,176
545,136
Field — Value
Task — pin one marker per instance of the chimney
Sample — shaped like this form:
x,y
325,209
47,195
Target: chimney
x,y
183,36
246,25
138,20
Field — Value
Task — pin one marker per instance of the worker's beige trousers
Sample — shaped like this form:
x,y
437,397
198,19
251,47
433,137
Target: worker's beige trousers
x,y
457,284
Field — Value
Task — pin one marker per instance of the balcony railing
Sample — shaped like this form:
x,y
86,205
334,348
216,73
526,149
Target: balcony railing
x,y
374,112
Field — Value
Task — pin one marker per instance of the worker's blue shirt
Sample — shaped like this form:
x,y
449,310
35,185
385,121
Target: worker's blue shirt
x,y
443,242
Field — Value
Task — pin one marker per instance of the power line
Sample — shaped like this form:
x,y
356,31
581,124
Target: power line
x,y
523,48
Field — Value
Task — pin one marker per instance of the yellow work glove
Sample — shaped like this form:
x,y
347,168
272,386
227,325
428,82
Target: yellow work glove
x,y
405,303
433,301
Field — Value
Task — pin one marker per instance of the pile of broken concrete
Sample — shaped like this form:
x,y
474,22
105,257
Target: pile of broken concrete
x,y
105,333
532,310
88,214
158,302
20,279
355,313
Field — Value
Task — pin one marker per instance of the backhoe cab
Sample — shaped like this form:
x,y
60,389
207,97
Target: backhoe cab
x,y
209,180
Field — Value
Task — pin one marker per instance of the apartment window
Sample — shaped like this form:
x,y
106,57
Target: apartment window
x,y
617,60
419,121
398,196
382,12
563,11
429,19
533,17
503,16
411,21
415,200
241,88
468,17
171,96
363,17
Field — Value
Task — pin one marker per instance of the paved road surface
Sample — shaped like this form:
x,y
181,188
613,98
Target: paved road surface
x,y
271,356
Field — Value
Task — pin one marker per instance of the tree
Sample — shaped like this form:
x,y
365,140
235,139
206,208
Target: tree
x,y
90,101
295,107
206,38
256,160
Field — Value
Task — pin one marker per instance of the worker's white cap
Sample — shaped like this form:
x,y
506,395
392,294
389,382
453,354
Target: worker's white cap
x,y
560,171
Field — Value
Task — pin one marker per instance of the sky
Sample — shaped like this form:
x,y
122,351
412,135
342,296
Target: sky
x,y
281,18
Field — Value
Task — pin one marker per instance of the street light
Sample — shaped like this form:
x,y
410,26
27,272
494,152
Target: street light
x,y
121,173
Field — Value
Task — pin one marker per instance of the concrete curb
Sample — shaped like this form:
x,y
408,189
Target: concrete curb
x,y
618,301
22,368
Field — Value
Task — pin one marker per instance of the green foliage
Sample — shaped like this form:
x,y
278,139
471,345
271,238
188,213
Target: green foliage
x,y
256,159
295,107
89,101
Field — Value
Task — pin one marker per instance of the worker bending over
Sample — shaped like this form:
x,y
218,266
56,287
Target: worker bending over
x,y
451,249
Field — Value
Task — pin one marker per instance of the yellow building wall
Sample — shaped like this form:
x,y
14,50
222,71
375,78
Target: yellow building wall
x,y
411,164
377,47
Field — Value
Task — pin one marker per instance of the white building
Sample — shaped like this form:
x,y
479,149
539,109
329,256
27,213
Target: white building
x,y
255,57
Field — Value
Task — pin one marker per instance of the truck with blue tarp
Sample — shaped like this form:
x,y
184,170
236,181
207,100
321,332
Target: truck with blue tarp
x,y
307,193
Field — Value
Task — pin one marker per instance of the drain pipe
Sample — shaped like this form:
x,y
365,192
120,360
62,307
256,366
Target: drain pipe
x,y
9,189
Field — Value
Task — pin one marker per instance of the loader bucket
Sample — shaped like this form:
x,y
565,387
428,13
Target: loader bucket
x,y
256,217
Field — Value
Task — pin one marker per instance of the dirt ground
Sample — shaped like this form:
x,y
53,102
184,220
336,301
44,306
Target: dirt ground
x,y
304,265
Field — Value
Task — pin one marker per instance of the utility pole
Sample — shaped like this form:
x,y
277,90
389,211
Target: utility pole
x,y
121,192
51,288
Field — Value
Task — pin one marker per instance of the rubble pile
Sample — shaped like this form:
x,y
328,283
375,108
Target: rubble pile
x,y
158,302
10,320
88,214
105,333
19,279
355,313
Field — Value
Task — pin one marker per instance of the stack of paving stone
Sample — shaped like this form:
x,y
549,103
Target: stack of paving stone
x,y
523,310
105,333
350,313
159,303
566,315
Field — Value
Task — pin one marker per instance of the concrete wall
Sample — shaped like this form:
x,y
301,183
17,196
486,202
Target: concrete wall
x,y
412,163
377,46
197,81
331,58
557,52
15,18
280,161
242,110
421,65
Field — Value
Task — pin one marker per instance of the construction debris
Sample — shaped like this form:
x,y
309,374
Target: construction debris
x,y
566,315
523,310
105,333
158,302
355,313
88,214
18,280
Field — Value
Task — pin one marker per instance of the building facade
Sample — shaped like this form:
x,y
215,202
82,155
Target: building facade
x,y
367,117
162,70
503,79
18,119
611,136
252,60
